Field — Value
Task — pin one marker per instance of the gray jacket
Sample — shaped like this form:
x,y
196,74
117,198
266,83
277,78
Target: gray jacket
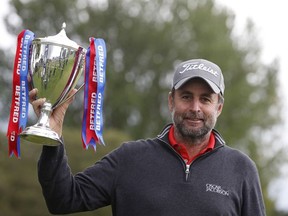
x,y
149,178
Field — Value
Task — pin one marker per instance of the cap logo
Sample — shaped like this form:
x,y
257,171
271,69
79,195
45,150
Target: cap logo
x,y
193,66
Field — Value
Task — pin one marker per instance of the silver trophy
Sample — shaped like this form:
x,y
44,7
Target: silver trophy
x,y
56,64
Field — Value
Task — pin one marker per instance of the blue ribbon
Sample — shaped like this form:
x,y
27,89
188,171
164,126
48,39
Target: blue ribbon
x,y
101,79
24,99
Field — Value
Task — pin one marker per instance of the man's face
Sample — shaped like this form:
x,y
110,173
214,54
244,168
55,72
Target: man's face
x,y
194,108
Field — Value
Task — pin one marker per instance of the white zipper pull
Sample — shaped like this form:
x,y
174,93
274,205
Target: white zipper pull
x,y
187,171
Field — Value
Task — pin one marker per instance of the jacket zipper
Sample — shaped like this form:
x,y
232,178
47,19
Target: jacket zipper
x,y
187,166
187,171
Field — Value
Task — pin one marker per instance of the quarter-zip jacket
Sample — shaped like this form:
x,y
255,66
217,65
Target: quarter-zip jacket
x,y
149,178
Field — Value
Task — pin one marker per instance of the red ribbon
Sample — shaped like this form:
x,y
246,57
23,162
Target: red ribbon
x,y
91,93
13,127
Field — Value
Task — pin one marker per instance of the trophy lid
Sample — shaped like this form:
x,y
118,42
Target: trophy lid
x,y
60,39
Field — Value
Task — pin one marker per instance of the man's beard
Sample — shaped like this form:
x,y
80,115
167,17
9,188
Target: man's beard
x,y
192,134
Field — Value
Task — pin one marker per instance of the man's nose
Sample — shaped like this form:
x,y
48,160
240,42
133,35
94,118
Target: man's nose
x,y
195,105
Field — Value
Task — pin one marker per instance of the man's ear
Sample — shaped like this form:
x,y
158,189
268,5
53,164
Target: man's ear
x,y
170,101
220,107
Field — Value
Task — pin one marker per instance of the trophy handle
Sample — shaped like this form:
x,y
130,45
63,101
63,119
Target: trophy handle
x,y
70,96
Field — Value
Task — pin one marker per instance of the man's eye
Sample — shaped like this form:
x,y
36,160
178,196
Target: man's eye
x,y
205,99
186,97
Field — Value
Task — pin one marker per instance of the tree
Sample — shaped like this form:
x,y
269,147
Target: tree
x,y
145,41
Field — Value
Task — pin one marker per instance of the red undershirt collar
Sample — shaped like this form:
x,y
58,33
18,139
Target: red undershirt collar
x,y
181,149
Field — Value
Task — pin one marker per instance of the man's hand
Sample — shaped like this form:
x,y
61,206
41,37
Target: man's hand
x,y
57,117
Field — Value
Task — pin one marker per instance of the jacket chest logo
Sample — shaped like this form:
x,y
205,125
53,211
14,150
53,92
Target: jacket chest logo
x,y
216,189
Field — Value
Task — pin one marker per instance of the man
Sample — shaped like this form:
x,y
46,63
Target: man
x,y
186,170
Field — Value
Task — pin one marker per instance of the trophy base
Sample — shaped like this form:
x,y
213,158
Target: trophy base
x,y
41,135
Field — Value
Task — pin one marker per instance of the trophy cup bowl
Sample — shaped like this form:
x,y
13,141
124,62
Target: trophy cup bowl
x,y
56,64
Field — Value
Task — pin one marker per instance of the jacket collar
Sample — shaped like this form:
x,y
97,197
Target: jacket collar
x,y
164,135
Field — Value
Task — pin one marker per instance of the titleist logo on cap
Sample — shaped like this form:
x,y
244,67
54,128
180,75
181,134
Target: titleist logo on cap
x,y
201,66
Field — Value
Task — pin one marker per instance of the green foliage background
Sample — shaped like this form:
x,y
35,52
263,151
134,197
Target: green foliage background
x,y
145,41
